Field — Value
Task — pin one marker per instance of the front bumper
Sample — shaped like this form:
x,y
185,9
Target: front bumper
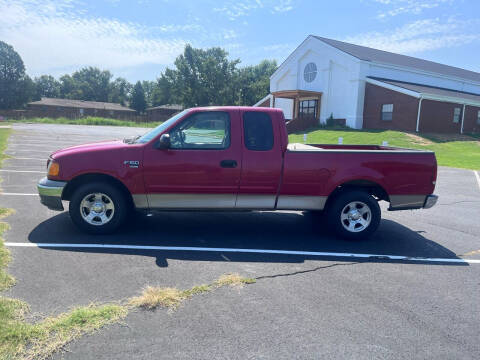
x,y
51,193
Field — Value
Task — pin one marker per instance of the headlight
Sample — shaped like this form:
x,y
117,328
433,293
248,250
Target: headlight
x,y
53,168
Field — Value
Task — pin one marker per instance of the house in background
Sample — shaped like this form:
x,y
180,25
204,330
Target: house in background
x,y
51,107
367,88
163,112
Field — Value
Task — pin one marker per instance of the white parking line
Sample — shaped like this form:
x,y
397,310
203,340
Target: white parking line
x,y
23,171
25,158
478,178
17,194
255,251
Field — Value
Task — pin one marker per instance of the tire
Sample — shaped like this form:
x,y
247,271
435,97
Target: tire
x,y
354,215
98,208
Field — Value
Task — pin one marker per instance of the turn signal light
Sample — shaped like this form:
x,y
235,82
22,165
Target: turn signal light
x,y
53,169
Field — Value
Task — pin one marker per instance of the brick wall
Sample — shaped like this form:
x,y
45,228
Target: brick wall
x,y
405,109
160,114
266,103
301,124
437,117
470,123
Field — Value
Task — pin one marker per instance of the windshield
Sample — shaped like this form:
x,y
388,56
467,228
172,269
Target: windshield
x,y
154,132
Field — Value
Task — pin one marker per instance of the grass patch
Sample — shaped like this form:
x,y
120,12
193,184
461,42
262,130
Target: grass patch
x,y
88,120
167,297
4,134
21,340
233,280
451,150
6,280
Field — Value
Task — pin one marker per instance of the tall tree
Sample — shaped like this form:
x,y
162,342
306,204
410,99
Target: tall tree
x,y
254,82
204,77
120,90
13,81
47,86
91,83
165,91
138,101
149,88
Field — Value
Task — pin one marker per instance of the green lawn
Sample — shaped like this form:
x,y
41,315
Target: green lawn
x,y
89,120
455,150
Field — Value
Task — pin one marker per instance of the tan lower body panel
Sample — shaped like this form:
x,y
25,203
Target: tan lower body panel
x,y
407,201
228,201
293,202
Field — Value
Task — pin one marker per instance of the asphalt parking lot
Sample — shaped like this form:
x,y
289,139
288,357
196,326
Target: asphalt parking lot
x,y
316,304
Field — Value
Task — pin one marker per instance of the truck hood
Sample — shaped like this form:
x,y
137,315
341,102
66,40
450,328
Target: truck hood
x,y
90,147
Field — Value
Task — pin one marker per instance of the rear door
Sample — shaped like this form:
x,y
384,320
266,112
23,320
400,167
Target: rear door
x,y
262,161
201,169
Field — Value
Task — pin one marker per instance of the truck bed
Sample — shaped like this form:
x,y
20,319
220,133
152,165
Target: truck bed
x,y
298,147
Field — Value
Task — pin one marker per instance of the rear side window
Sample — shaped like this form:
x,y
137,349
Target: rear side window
x,y
257,131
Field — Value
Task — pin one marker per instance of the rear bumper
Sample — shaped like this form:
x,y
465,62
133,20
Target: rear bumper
x,y
430,201
411,202
51,193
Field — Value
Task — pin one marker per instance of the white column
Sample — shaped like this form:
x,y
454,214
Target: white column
x,y
418,113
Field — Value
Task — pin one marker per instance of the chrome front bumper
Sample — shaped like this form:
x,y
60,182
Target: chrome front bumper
x,y
51,193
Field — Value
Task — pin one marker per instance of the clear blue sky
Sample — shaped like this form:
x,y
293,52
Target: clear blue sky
x,y
137,39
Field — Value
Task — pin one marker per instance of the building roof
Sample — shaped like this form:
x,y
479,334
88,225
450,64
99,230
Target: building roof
x,y
380,56
80,104
168,107
432,92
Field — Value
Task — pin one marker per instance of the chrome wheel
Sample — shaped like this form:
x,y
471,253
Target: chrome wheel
x,y
356,216
97,209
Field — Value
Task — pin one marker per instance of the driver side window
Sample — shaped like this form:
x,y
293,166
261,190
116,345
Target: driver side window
x,y
206,130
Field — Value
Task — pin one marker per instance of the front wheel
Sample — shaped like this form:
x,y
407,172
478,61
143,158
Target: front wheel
x,y
354,215
98,208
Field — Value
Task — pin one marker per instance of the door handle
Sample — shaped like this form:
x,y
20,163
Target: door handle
x,y
228,163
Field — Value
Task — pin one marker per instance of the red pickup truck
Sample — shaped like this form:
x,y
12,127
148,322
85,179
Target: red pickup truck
x,y
235,158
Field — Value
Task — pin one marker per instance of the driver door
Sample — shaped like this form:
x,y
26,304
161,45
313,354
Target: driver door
x,y
201,168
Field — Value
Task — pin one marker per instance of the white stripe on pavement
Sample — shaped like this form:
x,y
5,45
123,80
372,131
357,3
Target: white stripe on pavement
x,y
256,251
25,158
23,171
17,194
478,178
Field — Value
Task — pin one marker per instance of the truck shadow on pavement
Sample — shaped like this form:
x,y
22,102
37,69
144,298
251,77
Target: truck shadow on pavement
x,y
291,231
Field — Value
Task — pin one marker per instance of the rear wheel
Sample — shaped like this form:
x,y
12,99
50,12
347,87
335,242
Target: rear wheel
x,y
98,208
354,215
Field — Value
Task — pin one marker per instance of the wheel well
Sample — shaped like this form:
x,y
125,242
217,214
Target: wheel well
x,y
88,178
369,187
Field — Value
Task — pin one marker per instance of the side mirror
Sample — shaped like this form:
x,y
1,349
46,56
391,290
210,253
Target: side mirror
x,y
163,142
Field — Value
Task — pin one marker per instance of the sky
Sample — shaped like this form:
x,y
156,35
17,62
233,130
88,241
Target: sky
x,y
138,39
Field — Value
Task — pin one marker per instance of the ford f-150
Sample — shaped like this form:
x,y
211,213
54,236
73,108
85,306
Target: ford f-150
x,y
235,159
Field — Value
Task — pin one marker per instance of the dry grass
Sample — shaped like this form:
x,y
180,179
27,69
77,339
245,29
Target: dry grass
x,y
233,280
153,297
167,297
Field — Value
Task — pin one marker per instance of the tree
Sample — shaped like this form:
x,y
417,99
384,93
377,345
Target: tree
x,y
203,77
149,88
13,81
254,82
120,90
92,83
138,101
47,86
164,90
